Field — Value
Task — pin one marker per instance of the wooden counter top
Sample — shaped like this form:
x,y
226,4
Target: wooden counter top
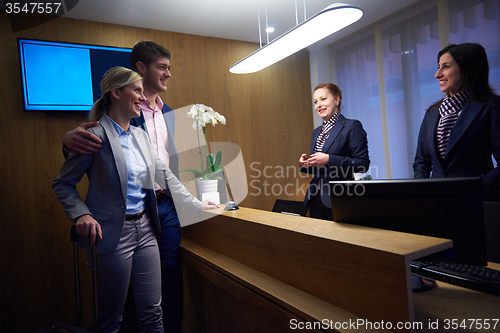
x,y
361,270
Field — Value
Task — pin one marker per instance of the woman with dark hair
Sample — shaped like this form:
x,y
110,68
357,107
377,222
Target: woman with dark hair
x,y
460,133
339,148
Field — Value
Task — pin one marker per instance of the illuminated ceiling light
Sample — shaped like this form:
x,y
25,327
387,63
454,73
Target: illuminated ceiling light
x,y
331,19
269,30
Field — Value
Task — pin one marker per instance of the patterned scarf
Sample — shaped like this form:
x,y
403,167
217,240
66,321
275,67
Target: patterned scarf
x,y
326,128
448,111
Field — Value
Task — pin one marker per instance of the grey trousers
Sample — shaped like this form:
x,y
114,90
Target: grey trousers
x,y
135,262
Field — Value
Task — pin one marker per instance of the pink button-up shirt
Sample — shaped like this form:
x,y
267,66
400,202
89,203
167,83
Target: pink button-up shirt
x,y
157,129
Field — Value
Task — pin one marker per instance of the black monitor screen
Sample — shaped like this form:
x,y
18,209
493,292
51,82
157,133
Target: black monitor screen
x,y
449,208
59,76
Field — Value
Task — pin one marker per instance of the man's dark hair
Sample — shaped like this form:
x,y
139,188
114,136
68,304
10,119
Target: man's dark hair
x,y
147,52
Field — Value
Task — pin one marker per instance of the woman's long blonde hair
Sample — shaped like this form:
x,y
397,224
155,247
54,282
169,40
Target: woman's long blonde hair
x,y
115,78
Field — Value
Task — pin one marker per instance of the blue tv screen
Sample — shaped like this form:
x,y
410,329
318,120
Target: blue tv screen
x,y
59,76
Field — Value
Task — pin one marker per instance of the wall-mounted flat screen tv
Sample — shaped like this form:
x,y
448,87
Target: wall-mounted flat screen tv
x,y
59,76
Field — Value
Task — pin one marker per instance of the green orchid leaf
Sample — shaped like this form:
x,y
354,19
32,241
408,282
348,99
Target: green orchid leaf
x,y
218,160
197,174
192,170
195,178
210,162
213,173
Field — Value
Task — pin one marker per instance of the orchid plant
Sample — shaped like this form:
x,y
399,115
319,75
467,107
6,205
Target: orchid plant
x,y
203,116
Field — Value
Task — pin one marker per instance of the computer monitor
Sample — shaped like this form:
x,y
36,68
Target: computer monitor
x,y
449,208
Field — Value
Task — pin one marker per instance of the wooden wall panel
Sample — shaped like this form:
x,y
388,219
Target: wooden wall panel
x,y
268,117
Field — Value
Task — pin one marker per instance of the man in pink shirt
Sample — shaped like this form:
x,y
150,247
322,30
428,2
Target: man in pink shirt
x,y
152,62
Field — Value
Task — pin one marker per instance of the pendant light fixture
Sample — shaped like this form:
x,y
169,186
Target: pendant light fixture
x,y
326,22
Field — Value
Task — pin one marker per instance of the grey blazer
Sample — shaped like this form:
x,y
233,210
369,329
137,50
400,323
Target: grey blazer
x,y
107,191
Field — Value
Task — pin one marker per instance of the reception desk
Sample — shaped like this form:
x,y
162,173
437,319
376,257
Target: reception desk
x,y
255,271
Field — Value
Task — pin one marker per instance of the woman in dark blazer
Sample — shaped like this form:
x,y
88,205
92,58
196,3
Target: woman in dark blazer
x,y
460,133
339,148
120,207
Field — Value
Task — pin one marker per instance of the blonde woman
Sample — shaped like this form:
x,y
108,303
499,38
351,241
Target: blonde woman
x,y
120,207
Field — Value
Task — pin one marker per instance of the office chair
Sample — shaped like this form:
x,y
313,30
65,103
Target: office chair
x,y
290,207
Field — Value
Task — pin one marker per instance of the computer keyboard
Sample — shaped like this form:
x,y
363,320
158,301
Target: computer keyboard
x,y
468,276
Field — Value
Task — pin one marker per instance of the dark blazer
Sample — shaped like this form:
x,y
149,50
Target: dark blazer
x,y
347,146
473,139
106,170
169,116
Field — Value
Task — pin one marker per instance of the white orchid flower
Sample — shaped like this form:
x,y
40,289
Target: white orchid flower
x,y
206,119
204,115
196,126
202,108
222,120
193,112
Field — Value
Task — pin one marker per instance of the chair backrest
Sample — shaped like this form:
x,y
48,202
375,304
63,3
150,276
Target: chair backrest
x,y
290,207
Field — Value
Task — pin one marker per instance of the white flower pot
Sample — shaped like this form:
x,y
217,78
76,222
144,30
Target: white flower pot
x,y
207,190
